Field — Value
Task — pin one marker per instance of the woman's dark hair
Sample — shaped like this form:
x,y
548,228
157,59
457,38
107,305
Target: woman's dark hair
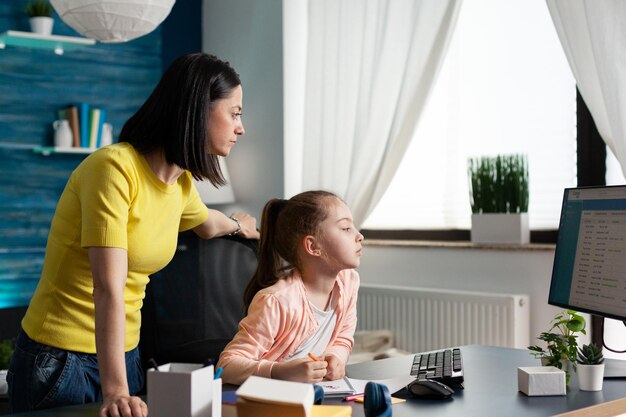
x,y
175,116
283,225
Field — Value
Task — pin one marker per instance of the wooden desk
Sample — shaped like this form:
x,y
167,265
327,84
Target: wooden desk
x,y
490,389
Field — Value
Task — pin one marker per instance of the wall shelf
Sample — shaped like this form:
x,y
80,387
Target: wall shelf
x,y
57,43
49,150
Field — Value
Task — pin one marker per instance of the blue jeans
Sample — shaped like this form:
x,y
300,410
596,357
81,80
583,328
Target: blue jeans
x,y
41,376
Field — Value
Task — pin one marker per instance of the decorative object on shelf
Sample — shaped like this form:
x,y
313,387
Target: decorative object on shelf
x,y
113,21
211,195
6,351
107,134
561,342
62,134
499,199
590,367
41,20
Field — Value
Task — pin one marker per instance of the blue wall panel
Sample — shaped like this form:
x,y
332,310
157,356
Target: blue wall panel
x,y
34,84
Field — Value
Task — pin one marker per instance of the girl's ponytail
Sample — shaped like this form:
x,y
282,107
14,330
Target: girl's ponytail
x,y
267,268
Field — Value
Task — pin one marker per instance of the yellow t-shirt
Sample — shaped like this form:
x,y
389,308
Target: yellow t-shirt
x,y
112,199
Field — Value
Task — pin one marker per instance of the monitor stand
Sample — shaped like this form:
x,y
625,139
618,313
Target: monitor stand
x,y
614,368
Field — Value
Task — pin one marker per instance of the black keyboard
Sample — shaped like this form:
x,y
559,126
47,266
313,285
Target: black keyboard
x,y
445,366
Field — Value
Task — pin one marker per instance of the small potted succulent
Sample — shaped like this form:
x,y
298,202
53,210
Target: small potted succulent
x,y
590,368
40,13
561,342
6,351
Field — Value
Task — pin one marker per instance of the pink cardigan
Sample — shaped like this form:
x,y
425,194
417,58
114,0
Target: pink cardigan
x,y
279,320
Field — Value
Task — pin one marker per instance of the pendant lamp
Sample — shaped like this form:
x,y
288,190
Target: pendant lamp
x,y
113,21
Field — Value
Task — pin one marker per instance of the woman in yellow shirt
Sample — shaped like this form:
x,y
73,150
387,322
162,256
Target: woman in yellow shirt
x,y
116,223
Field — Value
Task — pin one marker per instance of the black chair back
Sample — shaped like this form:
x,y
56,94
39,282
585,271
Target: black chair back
x,y
193,306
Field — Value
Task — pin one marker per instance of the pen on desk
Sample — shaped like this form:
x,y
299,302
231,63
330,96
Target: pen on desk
x,y
218,373
154,364
353,397
312,356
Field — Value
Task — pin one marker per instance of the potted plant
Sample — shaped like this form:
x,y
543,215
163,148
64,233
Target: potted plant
x,y
6,351
590,368
499,199
40,13
561,342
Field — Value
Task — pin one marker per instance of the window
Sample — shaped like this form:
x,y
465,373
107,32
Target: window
x,y
505,87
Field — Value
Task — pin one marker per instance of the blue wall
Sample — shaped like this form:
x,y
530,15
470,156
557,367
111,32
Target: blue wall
x,y
34,84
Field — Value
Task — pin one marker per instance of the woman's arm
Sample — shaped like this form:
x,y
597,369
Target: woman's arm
x,y
218,224
109,267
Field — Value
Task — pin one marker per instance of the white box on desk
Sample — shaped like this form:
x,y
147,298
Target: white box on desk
x,y
541,380
184,390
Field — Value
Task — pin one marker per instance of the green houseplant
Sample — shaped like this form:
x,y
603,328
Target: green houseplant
x,y
499,198
561,341
590,368
6,351
39,8
499,184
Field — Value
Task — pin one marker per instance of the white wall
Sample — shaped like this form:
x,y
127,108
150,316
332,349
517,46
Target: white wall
x,y
248,34
497,271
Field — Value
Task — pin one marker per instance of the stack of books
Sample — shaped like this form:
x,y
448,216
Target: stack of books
x,y
86,124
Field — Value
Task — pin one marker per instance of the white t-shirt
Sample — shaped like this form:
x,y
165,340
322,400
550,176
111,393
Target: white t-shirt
x,y
317,343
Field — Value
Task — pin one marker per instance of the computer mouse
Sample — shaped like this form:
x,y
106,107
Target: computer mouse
x,y
426,388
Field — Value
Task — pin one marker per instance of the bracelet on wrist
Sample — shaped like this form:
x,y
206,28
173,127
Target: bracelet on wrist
x,y
238,230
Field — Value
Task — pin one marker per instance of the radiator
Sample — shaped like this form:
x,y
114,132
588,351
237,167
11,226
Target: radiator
x,y
423,319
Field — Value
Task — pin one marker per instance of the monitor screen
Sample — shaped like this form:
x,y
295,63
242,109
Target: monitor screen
x,y
589,272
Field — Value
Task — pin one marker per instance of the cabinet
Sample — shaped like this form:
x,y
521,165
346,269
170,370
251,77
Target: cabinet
x,y
57,43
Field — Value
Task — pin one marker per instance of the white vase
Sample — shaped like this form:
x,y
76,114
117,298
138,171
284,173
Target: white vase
x,y
4,387
41,25
590,377
500,228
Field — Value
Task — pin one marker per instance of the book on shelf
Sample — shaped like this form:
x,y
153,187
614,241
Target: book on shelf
x,y
94,122
83,123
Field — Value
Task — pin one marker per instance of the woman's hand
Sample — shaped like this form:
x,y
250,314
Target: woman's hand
x,y
248,225
300,370
336,369
123,406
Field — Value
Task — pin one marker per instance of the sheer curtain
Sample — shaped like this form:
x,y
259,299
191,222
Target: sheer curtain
x,y
366,73
593,35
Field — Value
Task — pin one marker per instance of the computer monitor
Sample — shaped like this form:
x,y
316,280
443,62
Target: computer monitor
x,y
589,272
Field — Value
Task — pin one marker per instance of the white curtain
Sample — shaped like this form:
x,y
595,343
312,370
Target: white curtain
x,y
593,35
367,73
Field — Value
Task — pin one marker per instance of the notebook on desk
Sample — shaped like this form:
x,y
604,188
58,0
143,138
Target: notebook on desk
x,y
338,388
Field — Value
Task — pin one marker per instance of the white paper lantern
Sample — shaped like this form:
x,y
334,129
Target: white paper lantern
x,y
113,21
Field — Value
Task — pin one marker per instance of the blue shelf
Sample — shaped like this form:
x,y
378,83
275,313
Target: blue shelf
x,y
57,43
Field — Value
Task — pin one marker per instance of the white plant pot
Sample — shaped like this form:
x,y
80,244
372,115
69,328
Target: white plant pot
x,y
590,377
4,387
500,228
41,25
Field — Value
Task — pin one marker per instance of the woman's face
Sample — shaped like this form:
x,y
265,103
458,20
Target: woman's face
x,y
225,122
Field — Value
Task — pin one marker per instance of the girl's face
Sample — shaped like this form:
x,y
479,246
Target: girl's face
x,y
340,241
225,123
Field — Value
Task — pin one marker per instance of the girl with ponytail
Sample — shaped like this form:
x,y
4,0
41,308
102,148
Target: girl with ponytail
x,y
301,302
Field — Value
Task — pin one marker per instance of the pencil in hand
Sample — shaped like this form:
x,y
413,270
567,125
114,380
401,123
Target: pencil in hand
x,y
312,356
